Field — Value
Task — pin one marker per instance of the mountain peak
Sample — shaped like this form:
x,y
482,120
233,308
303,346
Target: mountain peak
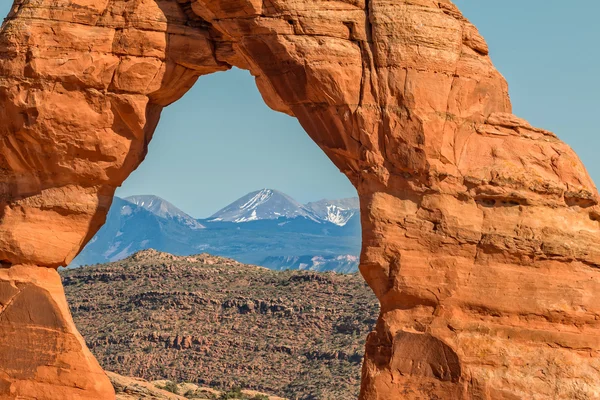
x,y
162,208
262,204
337,212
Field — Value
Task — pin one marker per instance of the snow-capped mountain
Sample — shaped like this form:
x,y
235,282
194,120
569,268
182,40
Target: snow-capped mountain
x,y
164,209
261,205
264,228
337,212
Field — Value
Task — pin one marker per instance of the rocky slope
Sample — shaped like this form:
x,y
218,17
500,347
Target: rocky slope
x,y
219,323
127,388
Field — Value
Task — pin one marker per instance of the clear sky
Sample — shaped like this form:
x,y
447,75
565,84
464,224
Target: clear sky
x,y
220,141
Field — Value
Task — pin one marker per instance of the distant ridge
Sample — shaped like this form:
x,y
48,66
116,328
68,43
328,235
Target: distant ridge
x,y
164,209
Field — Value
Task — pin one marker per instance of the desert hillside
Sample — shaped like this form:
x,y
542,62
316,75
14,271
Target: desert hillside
x,y
222,324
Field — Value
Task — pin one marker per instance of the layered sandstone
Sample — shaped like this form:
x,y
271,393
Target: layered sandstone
x,y
42,356
480,231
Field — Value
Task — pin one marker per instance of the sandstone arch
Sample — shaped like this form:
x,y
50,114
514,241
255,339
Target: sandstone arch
x,y
480,231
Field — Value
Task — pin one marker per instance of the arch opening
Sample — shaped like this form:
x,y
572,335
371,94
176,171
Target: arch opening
x,y
189,195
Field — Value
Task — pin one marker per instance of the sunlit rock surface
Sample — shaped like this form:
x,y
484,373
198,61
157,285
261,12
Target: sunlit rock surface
x,y
480,234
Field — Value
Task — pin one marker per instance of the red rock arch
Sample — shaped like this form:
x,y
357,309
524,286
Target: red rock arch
x,y
480,232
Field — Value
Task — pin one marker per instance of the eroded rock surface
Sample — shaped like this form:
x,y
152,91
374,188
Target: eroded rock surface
x,y
480,231
128,388
42,356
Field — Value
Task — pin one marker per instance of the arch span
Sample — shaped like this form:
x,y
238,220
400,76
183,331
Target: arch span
x,y
479,231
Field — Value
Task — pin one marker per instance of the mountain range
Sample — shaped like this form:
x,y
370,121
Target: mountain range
x,y
265,227
272,204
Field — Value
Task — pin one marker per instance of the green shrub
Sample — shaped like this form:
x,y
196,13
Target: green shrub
x,y
235,393
171,386
199,394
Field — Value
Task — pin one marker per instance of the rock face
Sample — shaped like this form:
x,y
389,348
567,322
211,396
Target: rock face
x,y
42,356
128,388
480,231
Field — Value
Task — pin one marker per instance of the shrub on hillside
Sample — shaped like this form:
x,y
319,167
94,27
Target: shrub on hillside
x,y
170,387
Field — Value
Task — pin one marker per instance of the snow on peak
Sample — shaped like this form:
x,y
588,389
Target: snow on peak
x,y
260,205
338,215
337,212
259,198
252,217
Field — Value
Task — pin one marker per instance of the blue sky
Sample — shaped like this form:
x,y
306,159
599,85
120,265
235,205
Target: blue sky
x,y
220,141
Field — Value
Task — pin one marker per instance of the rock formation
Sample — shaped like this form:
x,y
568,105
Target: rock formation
x,y
480,231
127,388
42,356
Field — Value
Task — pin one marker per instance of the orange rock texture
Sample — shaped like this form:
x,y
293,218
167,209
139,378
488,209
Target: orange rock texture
x,y
480,235
42,356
